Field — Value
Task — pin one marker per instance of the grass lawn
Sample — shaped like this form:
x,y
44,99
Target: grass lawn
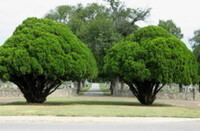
x,y
82,106
105,90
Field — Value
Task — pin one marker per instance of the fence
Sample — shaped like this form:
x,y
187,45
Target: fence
x,y
165,95
15,92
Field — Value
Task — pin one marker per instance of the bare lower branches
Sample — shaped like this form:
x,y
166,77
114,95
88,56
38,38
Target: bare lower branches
x,y
145,91
36,89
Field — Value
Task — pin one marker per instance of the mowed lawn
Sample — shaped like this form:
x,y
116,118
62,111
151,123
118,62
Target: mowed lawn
x,y
93,106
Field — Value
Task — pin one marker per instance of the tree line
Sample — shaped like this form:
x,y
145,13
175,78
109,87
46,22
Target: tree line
x,y
97,42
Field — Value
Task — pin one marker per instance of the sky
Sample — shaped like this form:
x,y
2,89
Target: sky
x,y
184,13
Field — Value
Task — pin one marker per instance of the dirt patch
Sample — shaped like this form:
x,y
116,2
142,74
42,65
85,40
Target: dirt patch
x,y
10,99
189,104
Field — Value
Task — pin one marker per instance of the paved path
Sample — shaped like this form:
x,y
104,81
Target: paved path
x,y
94,90
50,126
49,123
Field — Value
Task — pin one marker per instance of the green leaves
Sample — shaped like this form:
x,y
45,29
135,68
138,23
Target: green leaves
x,y
171,27
44,47
151,54
98,26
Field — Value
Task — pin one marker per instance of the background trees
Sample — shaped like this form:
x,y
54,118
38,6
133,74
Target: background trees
x,y
61,14
100,35
171,27
40,54
98,26
149,59
125,19
195,42
94,26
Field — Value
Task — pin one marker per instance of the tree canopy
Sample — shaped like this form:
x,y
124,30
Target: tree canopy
x,y
149,59
99,26
195,42
125,19
171,27
40,54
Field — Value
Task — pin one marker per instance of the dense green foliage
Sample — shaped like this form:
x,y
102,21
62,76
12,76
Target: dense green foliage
x,y
92,25
195,42
99,26
171,27
40,54
149,59
100,35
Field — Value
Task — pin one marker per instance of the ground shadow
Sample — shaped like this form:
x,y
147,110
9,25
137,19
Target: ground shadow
x,y
87,102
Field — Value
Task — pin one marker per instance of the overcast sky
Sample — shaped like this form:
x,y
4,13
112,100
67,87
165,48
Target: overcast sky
x,y
185,13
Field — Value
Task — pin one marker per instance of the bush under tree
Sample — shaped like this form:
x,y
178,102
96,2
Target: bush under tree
x,y
40,55
149,59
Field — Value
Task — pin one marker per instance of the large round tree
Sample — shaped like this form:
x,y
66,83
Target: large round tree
x,y
40,54
149,59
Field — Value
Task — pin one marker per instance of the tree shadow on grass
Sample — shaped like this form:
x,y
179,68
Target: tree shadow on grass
x,y
87,102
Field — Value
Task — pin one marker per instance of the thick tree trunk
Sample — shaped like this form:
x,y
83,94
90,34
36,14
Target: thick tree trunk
x,y
35,88
83,83
30,99
112,86
199,87
122,85
180,88
145,91
78,87
117,86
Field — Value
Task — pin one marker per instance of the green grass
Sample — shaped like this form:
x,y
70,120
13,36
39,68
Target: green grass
x,y
105,90
99,107
85,89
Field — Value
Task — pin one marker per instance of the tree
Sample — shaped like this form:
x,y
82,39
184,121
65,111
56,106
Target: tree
x,y
61,13
125,19
195,42
40,54
100,35
171,27
92,25
98,26
149,59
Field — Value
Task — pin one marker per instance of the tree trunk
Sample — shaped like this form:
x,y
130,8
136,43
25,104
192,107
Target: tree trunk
x,y
180,88
83,83
112,85
122,85
35,88
116,86
145,91
34,99
199,87
78,87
